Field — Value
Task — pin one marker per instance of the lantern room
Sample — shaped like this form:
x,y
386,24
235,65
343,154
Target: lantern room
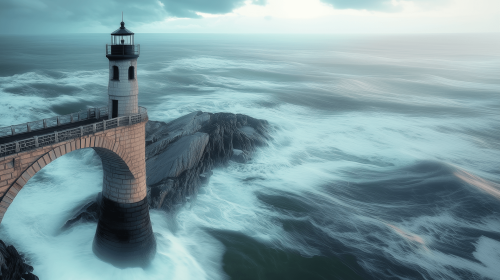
x,y
122,36
122,44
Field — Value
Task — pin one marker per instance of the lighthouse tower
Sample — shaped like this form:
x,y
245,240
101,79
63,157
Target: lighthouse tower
x,y
124,235
122,86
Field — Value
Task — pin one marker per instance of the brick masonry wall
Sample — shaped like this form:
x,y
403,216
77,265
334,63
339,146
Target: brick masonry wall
x,y
122,151
124,90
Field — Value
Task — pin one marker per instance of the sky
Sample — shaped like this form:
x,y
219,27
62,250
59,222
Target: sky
x,y
250,16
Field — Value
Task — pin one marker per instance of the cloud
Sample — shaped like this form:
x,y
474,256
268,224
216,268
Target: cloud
x,y
54,16
236,16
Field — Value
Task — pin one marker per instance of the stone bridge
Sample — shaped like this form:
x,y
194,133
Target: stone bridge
x,y
124,226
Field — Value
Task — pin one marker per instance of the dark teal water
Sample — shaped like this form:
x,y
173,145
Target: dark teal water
x,y
384,162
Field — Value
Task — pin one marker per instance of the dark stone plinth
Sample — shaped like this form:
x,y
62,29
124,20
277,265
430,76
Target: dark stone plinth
x,y
124,236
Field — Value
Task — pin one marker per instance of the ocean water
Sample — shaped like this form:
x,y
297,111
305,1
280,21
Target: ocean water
x,y
384,162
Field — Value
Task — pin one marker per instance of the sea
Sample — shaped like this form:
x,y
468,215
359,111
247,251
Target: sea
x,y
383,162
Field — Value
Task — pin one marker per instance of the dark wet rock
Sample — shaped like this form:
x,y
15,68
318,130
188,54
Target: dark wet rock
x,y
12,265
87,212
157,192
204,177
240,156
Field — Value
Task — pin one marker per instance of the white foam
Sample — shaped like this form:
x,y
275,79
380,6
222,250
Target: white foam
x,y
17,109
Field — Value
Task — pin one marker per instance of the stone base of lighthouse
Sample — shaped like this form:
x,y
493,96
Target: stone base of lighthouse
x,y
124,235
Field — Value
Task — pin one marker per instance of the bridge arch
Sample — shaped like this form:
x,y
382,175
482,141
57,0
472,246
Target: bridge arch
x,y
124,235
118,178
122,152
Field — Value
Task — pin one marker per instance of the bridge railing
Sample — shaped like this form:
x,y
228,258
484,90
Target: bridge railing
x,y
90,113
72,133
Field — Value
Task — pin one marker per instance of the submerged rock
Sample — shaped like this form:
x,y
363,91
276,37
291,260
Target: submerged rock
x,y
13,265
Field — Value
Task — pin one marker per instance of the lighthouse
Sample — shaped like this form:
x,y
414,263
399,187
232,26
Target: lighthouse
x,y
122,87
124,235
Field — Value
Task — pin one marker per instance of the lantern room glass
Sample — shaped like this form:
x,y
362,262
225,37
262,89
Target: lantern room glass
x,y
122,39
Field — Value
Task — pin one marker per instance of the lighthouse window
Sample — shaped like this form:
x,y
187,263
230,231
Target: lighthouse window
x,y
131,73
116,73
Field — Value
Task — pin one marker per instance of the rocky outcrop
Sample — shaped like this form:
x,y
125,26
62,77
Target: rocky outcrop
x,y
176,158
181,154
13,265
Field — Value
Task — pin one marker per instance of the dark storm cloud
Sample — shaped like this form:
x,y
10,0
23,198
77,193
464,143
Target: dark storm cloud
x,y
52,16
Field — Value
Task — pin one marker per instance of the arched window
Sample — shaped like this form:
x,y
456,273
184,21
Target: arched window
x,y
131,73
116,73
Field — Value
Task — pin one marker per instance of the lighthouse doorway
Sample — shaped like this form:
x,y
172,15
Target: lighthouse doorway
x,y
115,109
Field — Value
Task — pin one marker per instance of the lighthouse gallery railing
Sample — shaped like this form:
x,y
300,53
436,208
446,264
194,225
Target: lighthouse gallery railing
x,y
123,49
72,133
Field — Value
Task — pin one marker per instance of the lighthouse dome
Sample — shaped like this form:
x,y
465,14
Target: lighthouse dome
x,y
122,31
